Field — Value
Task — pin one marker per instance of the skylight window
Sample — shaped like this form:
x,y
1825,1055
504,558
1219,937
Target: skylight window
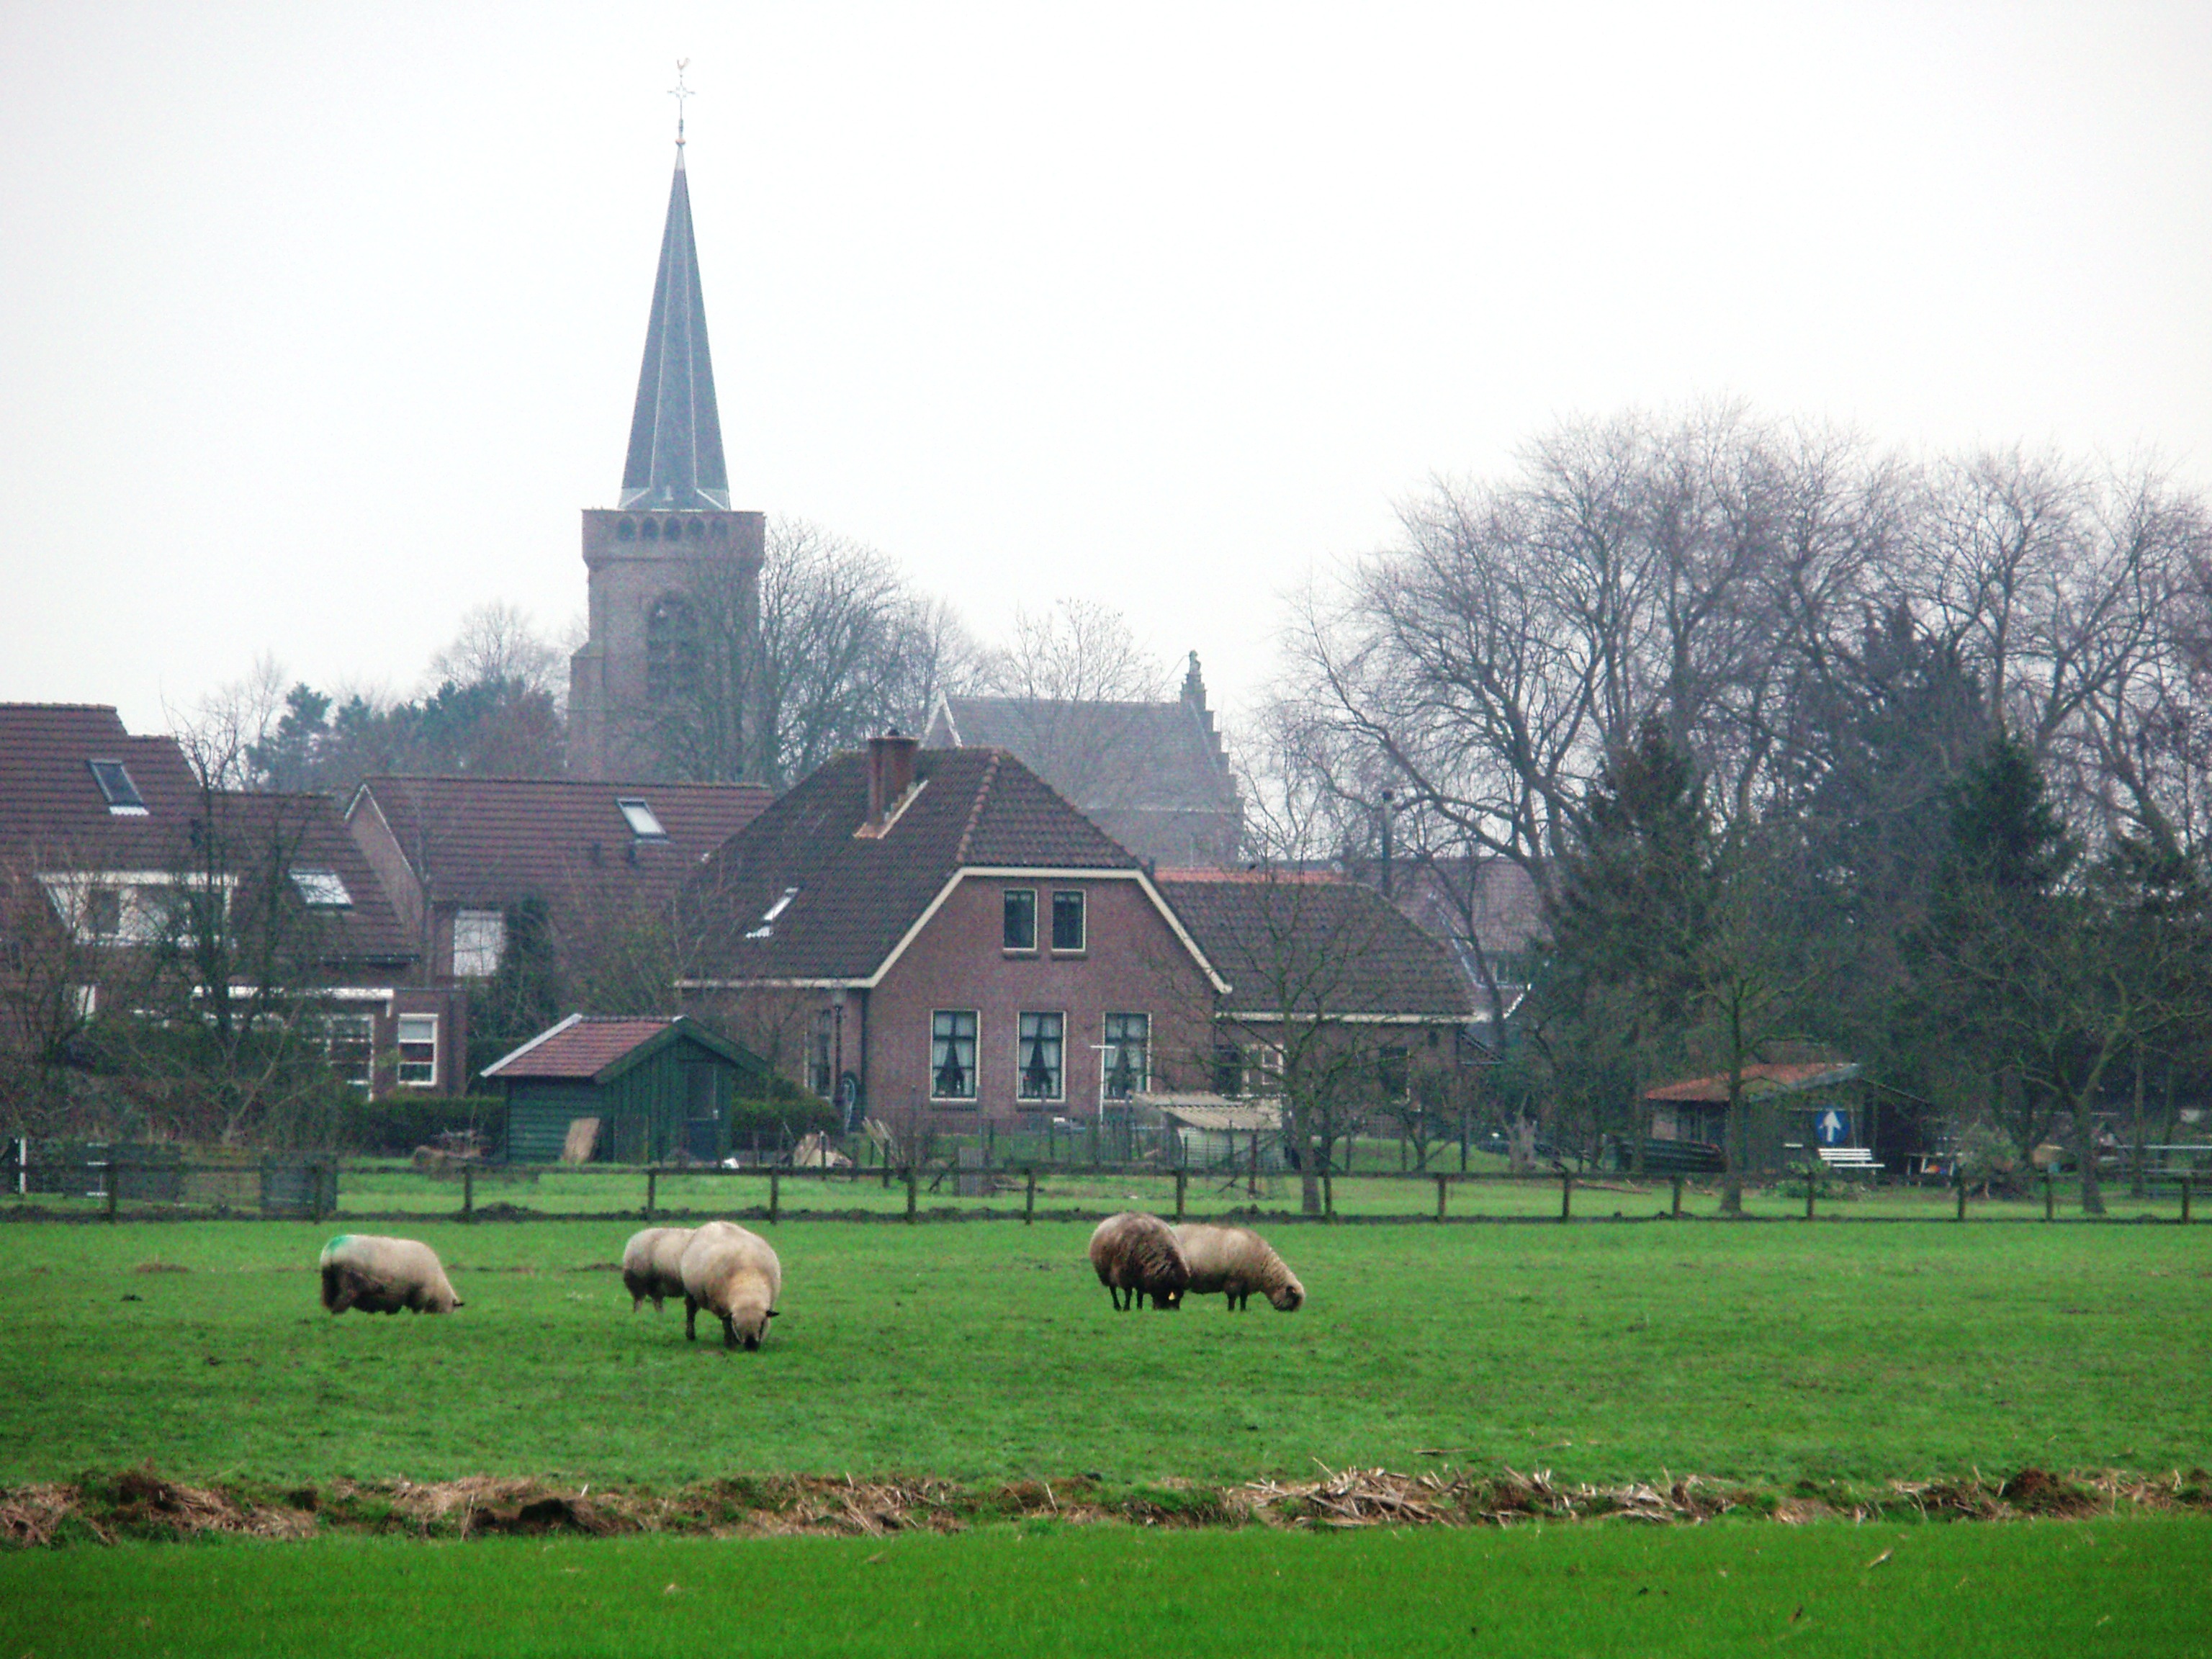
x,y
324,889
767,928
122,795
642,823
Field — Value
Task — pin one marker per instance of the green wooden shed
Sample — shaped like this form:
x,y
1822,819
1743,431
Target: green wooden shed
x,y
660,1088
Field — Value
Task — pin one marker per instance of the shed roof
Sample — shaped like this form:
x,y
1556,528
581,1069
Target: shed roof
x,y
1761,1079
601,1047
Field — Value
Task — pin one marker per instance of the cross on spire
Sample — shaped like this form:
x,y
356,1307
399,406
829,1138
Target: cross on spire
x,y
679,91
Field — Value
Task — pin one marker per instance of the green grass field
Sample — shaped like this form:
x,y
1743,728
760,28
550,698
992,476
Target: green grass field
x,y
2135,1588
1844,1357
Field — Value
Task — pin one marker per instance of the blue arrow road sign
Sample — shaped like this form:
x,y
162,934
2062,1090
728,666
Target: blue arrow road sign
x,y
1833,1127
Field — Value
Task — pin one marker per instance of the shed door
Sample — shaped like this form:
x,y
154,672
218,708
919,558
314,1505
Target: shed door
x,y
703,1114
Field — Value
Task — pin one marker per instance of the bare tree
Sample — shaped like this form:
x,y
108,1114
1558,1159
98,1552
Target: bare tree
x,y
498,642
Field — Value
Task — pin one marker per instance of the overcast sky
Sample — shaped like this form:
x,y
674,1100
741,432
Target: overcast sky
x,y
319,323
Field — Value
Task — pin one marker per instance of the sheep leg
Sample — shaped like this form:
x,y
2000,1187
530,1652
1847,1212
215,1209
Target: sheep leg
x,y
691,1318
729,1332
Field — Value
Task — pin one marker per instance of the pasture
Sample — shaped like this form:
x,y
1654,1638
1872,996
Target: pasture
x,y
1825,1359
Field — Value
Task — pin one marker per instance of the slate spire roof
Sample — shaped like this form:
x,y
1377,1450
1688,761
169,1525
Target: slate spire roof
x,y
675,457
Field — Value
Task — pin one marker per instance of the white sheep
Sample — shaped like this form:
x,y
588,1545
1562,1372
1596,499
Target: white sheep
x,y
734,1275
652,1265
1136,1256
1236,1261
383,1275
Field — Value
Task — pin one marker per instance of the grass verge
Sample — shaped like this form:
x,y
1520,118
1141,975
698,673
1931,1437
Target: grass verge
x,y
2134,1588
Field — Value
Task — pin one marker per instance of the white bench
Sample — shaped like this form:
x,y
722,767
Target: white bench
x,y
1848,1158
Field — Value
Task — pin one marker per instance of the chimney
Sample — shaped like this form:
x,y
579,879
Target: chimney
x,y
890,774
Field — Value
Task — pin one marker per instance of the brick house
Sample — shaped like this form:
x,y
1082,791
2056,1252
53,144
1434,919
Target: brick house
x,y
458,854
943,935
105,837
937,933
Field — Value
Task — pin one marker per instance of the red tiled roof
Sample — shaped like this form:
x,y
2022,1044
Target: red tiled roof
x,y
1762,1078
854,897
582,1045
53,817
496,841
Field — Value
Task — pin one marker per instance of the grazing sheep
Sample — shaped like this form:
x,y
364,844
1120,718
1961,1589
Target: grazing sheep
x,y
1237,1261
733,1275
652,1265
383,1275
1137,1255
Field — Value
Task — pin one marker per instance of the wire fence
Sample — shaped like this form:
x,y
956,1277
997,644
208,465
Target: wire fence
x,y
118,1183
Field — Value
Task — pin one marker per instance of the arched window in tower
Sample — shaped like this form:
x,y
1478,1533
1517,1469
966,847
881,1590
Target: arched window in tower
x,y
671,649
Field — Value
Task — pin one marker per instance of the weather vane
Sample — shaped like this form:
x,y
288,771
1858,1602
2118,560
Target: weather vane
x,y
679,91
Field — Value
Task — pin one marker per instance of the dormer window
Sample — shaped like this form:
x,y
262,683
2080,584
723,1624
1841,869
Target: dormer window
x,y
115,787
639,818
323,890
767,928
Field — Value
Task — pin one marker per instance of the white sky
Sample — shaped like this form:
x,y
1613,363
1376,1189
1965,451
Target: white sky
x,y
319,322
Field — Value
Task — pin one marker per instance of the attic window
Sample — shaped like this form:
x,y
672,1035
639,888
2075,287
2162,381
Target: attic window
x,y
323,890
122,795
639,815
767,928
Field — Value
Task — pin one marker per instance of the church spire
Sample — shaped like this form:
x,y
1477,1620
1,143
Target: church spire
x,y
675,457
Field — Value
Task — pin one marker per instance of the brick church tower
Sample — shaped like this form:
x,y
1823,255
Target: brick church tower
x,y
659,688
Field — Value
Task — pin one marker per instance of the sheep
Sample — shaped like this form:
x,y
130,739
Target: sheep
x,y
734,1275
652,1265
1237,1261
1136,1256
383,1275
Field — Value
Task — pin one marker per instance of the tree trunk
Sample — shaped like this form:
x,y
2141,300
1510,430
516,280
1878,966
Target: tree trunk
x,y
2136,1186
2085,1154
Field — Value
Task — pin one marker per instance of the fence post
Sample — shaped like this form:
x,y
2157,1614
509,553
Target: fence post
x,y
1328,1195
1808,1192
774,1196
2186,1183
1252,1176
468,1191
2050,1196
114,1182
909,1193
1566,1194
1029,1202
1962,1180
1462,1140
1678,1198
652,1176
1182,1176
1441,1182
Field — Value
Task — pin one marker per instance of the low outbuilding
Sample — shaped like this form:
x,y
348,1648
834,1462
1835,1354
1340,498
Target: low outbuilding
x,y
659,1087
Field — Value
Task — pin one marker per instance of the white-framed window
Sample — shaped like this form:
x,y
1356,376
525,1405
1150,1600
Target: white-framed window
x,y
1127,1053
1040,1047
418,1051
136,907
952,1054
1019,931
350,1039
479,938
821,1061
1068,933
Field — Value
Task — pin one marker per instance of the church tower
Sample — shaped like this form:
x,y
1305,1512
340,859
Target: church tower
x,y
658,688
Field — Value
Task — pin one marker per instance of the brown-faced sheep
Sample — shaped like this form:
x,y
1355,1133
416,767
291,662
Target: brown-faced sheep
x,y
652,1265
733,1275
1236,1261
383,1275
1136,1256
